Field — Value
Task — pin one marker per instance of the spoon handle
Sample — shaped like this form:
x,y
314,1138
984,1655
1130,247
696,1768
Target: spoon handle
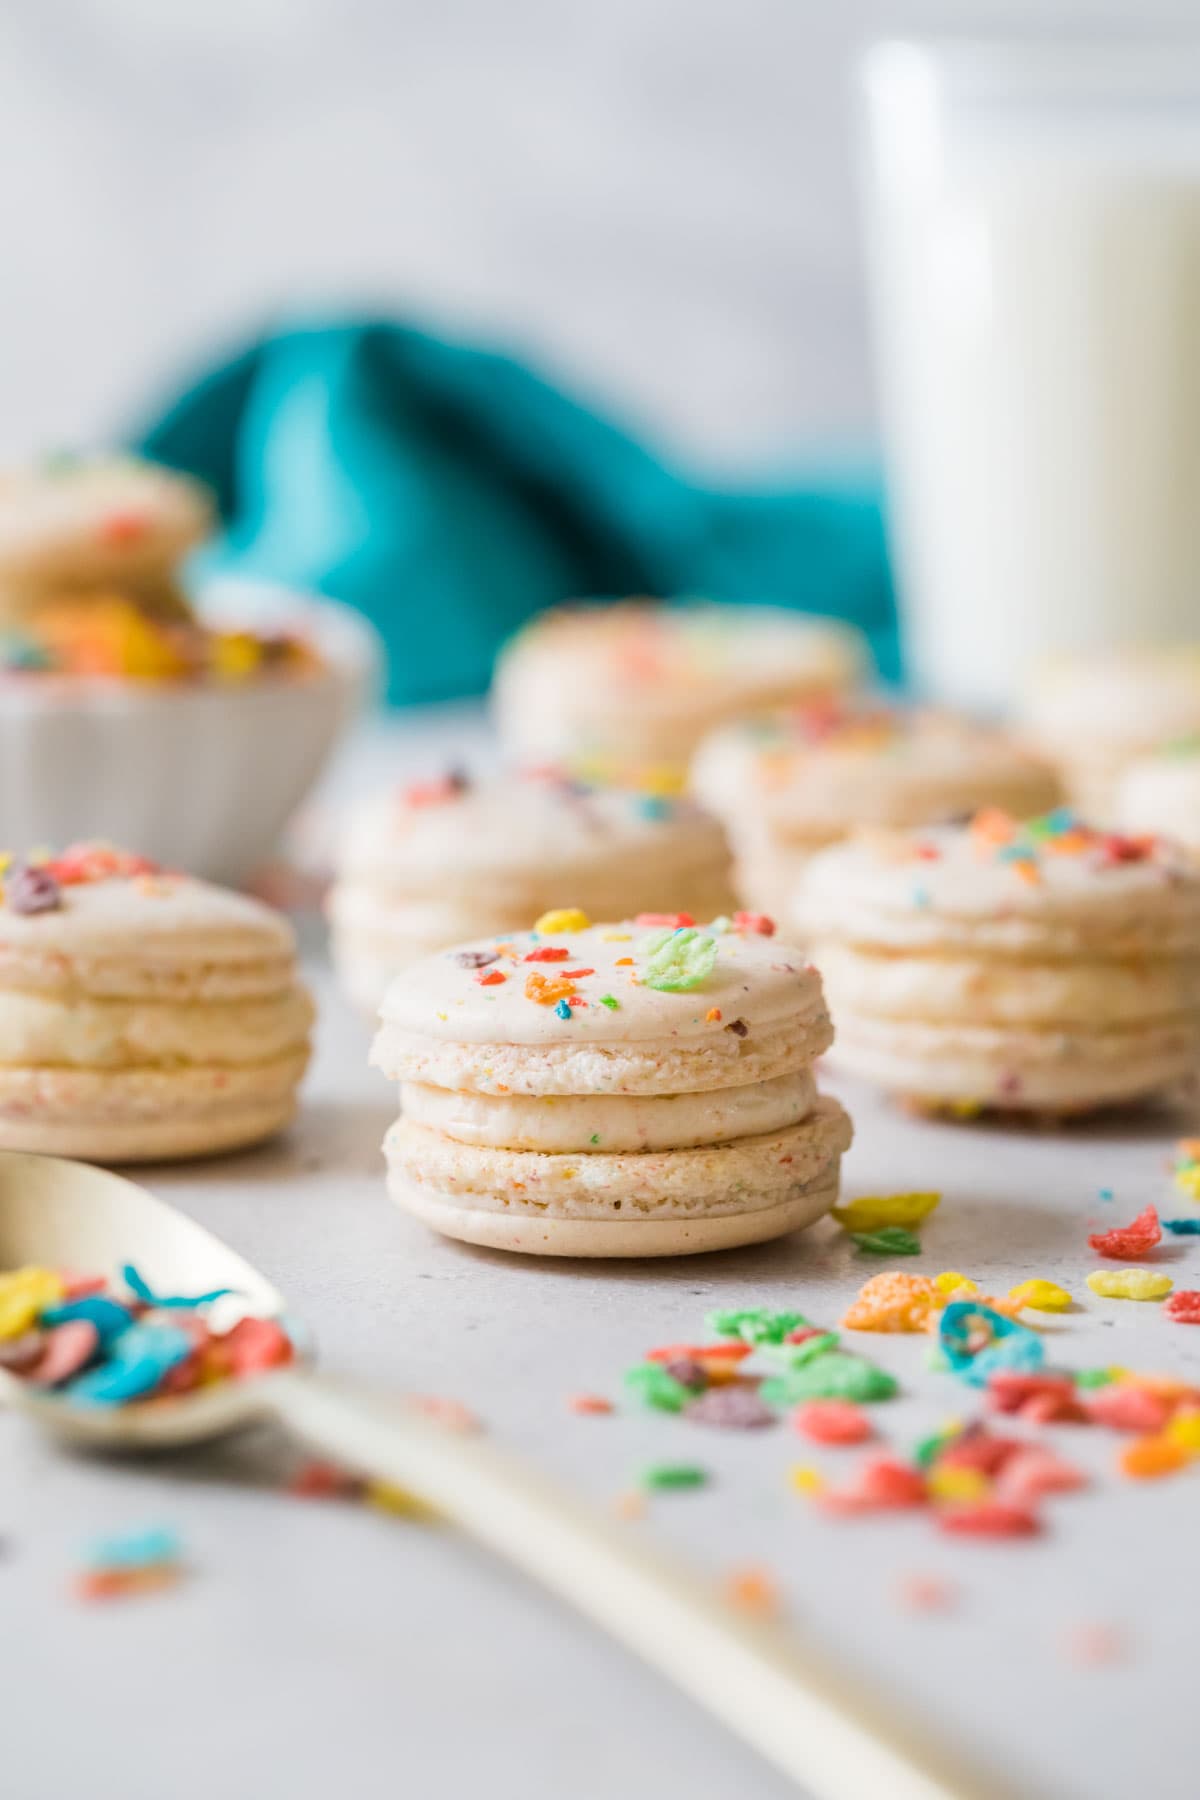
x,y
823,1730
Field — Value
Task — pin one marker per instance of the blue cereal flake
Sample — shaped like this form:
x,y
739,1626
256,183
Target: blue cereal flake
x,y
137,1362
150,1548
145,1293
1182,1227
1009,1345
563,1010
108,1316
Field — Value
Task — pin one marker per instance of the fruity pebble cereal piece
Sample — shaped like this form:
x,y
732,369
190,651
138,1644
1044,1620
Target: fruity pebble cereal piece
x,y
894,1301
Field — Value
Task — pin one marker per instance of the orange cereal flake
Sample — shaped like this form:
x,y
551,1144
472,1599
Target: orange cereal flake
x,y
895,1301
547,990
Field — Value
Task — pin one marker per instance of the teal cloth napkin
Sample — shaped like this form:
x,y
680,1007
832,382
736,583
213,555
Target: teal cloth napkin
x,y
448,493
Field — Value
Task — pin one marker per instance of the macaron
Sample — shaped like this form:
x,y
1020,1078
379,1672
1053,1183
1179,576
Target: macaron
x,y
1160,793
101,525
596,1091
641,683
1037,967
787,784
1094,715
143,1015
441,861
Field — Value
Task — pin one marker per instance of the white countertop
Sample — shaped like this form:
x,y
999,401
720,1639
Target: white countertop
x,y
322,1648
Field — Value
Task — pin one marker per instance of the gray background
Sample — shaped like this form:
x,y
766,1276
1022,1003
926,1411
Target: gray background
x,y
652,198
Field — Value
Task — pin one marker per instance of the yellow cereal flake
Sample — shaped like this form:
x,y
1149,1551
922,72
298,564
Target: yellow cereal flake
x,y
616,937
387,1496
566,918
878,1210
1041,1296
1130,1284
951,1282
957,1484
1184,1430
805,1479
24,1294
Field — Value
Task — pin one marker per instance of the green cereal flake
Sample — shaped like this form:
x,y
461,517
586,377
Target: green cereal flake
x,y
666,1476
834,1376
754,1324
654,1387
611,1001
931,1447
677,961
889,1240
1094,1378
595,1138
794,1356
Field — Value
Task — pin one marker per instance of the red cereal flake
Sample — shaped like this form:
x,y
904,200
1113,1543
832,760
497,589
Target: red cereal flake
x,y
256,1344
987,1518
701,1353
1184,1306
1034,1472
1009,1390
758,923
882,1485
120,529
832,1422
675,920
548,953
576,974
323,1481
1129,1243
978,1449
589,1404
1127,1406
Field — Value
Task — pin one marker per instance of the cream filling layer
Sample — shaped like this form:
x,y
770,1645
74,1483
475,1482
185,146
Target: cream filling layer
x,y
41,1030
604,1123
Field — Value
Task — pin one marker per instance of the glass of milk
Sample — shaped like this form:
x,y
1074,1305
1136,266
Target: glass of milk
x,y
1034,233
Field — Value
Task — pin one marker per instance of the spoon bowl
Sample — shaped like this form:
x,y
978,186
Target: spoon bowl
x,y
69,1215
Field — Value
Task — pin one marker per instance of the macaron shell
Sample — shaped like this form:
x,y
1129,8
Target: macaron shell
x,y
156,936
547,1236
757,980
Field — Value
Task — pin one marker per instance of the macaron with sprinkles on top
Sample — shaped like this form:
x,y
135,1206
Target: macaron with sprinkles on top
x,y
1009,966
143,1014
637,1089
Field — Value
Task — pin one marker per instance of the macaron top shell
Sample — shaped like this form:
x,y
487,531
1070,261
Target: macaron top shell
x,y
83,521
655,676
754,982
144,933
438,837
821,769
1048,886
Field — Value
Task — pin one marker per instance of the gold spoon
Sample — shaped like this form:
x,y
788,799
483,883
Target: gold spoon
x,y
762,1682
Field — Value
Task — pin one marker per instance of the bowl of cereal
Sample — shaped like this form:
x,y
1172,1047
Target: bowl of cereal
x,y
131,710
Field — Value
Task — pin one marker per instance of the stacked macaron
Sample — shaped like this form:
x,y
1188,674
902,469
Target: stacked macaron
x,y
74,532
142,1015
640,684
1095,715
618,1090
442,861
788,784
1040,967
